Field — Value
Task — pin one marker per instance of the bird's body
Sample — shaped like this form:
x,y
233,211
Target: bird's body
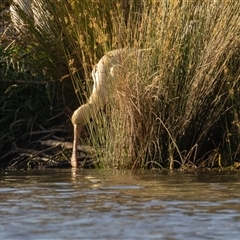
x,y
105,76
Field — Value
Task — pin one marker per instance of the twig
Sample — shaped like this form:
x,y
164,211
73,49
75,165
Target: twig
x,y
24,82
51,131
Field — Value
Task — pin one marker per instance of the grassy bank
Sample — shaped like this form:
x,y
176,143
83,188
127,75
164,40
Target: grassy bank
x,y
179,110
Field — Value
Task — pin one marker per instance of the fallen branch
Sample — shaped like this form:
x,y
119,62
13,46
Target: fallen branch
x,y
17,150
67,145
31,152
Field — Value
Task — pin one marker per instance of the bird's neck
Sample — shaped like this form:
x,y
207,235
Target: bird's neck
x,y
83,114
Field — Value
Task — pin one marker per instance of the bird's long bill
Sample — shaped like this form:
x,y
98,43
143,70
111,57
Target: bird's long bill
x,y
76,132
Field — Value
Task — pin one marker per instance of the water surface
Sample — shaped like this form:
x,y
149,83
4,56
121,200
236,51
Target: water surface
x,y
99,204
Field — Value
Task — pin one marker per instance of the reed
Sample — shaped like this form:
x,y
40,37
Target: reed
x,y
181,108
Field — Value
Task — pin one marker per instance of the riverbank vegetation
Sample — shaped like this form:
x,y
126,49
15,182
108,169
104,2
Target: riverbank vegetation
x,y
180,110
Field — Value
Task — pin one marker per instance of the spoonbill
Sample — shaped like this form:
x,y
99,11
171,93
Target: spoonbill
x,y
105,74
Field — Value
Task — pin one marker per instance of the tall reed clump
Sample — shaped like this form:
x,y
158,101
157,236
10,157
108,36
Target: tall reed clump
x,y
181,106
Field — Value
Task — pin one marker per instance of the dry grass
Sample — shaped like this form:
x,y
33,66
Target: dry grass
x,y
179,109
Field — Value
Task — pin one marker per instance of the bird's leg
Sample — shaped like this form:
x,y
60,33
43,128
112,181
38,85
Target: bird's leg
x,y
76,129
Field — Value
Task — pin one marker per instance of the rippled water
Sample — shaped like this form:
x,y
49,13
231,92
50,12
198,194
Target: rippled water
x,y
93,204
